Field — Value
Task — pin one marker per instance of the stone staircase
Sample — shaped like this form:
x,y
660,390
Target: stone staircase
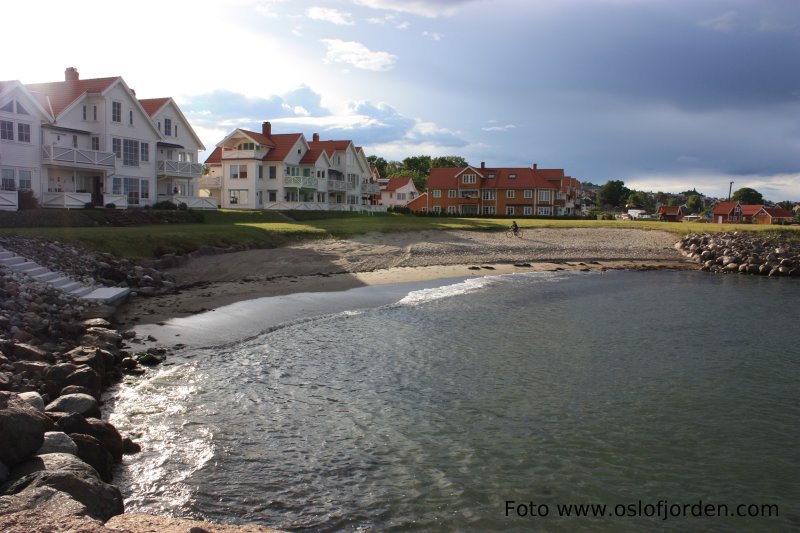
x,y
105,295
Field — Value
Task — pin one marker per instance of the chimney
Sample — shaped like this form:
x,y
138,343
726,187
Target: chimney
x,y
534,166
483,164
71,74
266,128
133,93
315,138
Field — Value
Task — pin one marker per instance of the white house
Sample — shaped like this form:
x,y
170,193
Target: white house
x,y
397,192
263,170
21,118
97,144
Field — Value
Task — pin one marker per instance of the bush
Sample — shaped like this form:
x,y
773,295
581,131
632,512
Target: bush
x,y
88,205
111,206
182,206
166,205
27,200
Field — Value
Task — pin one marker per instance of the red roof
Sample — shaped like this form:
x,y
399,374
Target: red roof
x,y
63,93
724,208
330,146
779,212
281,144
152,105
498,178
215,157
396,183
669,210
750,210
312,156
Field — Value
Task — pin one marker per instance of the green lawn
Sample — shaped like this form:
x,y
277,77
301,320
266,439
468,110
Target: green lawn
x,y
269,229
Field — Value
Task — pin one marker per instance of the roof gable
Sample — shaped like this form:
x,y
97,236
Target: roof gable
x,y
9,88
153,106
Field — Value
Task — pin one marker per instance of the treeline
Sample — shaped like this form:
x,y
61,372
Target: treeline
x,y
417,167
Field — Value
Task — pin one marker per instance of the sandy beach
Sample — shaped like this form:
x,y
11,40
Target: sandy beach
x,y
209,282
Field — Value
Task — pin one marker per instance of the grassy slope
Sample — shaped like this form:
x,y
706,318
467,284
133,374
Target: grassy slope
x,y
266,229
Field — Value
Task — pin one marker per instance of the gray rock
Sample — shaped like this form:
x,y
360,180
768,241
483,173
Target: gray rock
x,y
58,442
75,403
86,377
34,399
92,452
22,429
30,353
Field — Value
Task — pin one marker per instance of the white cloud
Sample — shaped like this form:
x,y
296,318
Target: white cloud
x,y
725,23
775,188
357,55
430,9
403,25
499,128
432,35
334,16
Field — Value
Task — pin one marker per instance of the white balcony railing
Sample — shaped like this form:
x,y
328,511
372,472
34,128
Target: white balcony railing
x,y
336,185
120,201
9,200
243,154
179,168
192,202
77,157
303,182
370,188
69,200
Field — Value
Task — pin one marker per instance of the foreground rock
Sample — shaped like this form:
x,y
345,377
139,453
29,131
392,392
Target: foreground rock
x,y
742,253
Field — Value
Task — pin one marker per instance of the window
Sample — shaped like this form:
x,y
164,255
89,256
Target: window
x,y
468,178
167,127
527,210
238,196
145,152
134,188
96,144
510,193
488,210
512,176
543,211
510,210
261,172
25,181
273,171
9,107
176,130
437,193
272,196
23,132
116,111
238,172
21,110
94,112
116,147
130,153
451,210
246,146
528,193
490,194
544,196
437,209
451,193
6,130
130,117
7,181
84,112
401,196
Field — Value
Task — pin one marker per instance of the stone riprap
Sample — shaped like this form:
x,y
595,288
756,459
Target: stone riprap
x,y
742,253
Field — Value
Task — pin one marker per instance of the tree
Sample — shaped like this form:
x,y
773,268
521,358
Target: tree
x,y
420,180
695,203
379,162
613,194
748,196
419,164
449,161
640,200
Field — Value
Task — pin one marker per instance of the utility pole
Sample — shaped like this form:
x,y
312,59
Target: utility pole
x,y
730,188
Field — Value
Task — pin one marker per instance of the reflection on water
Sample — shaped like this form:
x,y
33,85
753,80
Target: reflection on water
x,y
432,412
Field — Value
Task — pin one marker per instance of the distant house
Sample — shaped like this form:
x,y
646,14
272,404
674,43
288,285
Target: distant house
x,y
749,211
727,213
671,213
773,215
398,192
419,204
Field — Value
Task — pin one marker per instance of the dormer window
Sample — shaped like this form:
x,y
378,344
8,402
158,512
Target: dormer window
x,y
248,146
512,176
492,176
468,178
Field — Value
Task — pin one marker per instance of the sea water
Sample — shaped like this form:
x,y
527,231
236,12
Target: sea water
x,y
660,399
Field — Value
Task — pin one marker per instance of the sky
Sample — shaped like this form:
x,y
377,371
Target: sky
x,y
665,95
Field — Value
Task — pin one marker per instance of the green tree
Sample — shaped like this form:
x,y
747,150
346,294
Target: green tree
x,y
748,196
640,200
379,162
449,161
613,194
419,164
420,180
695,203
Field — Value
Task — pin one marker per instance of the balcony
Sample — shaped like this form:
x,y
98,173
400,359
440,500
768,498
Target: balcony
x,y
370,188
301,182
74,157
9,200
209,182
336,185
243,154
180,169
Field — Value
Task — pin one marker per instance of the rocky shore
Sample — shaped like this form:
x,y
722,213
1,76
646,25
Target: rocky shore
x,y
742,253
57,356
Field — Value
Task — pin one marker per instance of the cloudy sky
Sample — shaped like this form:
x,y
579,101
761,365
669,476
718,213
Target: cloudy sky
x,y
662,94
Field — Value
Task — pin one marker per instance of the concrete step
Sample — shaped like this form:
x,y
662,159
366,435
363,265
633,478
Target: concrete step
x,y
59,282
14,260
108,295
81,291
6,254
46,276
24,266
36,271
71,286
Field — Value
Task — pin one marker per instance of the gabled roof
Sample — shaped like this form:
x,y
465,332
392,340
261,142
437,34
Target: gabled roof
x,y
282,143
777,212
724,208
330,146
61,94
499,178
6,87
153,105
395,183
670,210
313,154
215,157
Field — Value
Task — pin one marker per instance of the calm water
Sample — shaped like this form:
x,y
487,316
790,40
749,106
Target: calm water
x,y
433,411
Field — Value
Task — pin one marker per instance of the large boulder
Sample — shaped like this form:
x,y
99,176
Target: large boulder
x,y
22,429
29,352
87,377
75,403
55,376
108,435
66,473
46,509
34,399
93,453
57,442
70,422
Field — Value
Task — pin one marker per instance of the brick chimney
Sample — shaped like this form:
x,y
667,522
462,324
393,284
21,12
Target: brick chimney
x,y
315,138
534,166
71,74
266,128
483,164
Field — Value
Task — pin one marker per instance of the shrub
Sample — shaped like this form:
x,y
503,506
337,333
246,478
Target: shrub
x,y
27,200
88,205
182,206
165,205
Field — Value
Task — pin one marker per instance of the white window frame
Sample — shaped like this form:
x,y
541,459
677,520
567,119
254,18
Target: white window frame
x,y
437,193
468,179
488,210
511,193
116,112
23,132
238,196
544,195
452,193
527,193
25,179
8,180
544,210
509,210
527,210
7,130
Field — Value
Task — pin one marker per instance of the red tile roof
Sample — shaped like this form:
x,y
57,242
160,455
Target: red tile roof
x,y
670,210
779,212
152,105
724,208
282,143
498,178
750,210
260,138
63,93
395,183
215,157
330,146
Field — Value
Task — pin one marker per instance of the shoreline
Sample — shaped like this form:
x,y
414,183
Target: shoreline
x,y
211,282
